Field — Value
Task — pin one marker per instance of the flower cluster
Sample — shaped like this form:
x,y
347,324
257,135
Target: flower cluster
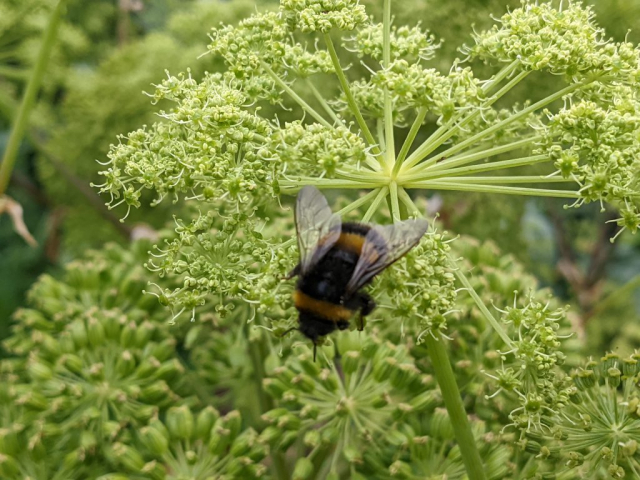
x,y
187,444
598,146
216,257
428,293
597,433
323,15
406,43
94,381
208,148
541,37
529,369
414,86
349,403
316,150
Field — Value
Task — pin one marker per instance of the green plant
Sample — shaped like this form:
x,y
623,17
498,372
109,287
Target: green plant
x,y
214,148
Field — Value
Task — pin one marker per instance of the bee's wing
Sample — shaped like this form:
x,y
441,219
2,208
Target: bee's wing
x,y
383,245
318,229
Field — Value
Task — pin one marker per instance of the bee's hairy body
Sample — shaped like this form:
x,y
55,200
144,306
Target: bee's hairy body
x,y
320,293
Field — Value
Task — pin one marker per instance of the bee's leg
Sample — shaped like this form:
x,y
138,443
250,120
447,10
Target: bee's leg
x,y
293,273
342,325
365,305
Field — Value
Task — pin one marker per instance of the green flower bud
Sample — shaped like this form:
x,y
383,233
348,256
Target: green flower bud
x,y
39,371
312,438
441,426
399,469
614,375
219,440
127,456
303,469
95,332
180,422
351,361
154,440
126,364
205,421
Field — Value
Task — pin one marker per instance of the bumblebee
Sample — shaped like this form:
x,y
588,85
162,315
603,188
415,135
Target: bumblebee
x,y
337,260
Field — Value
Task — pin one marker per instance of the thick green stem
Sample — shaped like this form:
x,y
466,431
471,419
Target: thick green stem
x,y
417,123
353,106
297,98
451,395
467,187
29,97
452,400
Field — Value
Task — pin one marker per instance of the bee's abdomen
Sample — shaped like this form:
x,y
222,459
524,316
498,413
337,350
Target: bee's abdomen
x,y
321,308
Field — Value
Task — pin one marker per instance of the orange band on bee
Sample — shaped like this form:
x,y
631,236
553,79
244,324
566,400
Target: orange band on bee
x,y
327,310
351,242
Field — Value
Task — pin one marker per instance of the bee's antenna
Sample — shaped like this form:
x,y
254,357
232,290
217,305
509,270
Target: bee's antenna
x,y
315,348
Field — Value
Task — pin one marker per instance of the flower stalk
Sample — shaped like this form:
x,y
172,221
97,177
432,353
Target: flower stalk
x,y
29,98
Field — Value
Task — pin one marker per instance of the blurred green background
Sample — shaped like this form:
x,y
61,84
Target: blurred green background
x,y
109,51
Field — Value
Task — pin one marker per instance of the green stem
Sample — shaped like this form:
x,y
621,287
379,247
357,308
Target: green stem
x,y
417,123
297,98
508,179
353,106
29,98
382,193
452,400
359,202
480,304
389,143
406,199
465,187
487,167
297,183
395,207
323,102
465,159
